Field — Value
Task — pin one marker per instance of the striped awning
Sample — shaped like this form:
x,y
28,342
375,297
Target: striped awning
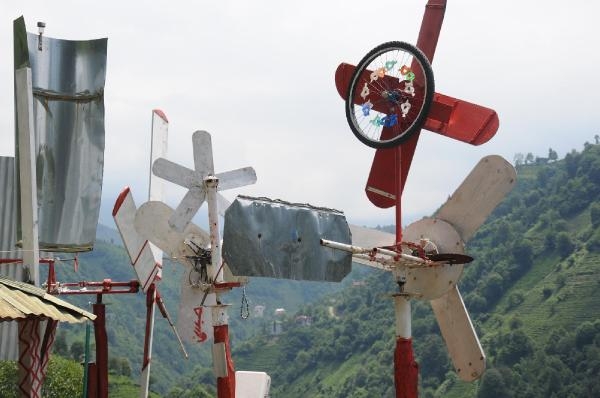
x,y
20,300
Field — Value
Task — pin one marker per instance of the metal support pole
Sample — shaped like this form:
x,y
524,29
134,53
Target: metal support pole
x,y
101,348
149,335
86,360
28,358
27,173
406,370
213,220
403,318
223,363
399,184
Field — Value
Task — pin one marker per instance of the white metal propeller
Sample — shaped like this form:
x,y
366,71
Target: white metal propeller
x,y
174,233
449,230
193,180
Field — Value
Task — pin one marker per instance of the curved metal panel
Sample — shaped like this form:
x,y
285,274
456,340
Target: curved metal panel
x,y
68,88
272,238
8,239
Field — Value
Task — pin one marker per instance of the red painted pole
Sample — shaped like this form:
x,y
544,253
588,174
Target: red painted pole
x,y
406,376
226,384
399,185
101,348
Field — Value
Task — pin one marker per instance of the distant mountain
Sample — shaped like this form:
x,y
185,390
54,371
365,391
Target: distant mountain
x,y
533,293
108,234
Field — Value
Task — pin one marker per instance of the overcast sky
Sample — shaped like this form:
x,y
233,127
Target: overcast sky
x,y
259,76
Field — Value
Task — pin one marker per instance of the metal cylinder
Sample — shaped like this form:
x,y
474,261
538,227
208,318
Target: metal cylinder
x,y
403,318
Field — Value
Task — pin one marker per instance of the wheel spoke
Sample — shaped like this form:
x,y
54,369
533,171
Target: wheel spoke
x,y
396,80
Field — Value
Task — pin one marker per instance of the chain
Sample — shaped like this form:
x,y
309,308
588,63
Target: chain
x,y
244,307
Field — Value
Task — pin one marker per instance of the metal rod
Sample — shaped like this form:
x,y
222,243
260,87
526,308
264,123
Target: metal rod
x,y
211,183
370,253
399,184
27,173
403,318
86,360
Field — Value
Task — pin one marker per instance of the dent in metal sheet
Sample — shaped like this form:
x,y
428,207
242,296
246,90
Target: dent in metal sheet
x,y
68,88
272,238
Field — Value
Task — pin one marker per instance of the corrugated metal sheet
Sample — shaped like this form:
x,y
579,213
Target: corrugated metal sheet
x,y
20,300
8,237
277,239
68,87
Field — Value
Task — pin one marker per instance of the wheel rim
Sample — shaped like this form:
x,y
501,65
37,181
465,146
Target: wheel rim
x,y
390,95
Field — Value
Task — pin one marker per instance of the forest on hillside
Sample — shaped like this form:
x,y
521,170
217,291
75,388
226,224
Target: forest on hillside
x,y
532,293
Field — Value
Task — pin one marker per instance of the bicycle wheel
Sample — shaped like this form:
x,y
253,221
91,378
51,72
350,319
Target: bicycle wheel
x,y
390,93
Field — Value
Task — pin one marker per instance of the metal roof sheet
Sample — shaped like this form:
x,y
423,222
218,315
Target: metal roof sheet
x,y
20,300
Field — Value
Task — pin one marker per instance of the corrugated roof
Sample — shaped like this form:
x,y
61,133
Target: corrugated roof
x,y
20,300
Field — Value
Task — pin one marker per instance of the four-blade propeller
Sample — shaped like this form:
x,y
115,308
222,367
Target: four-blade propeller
x,y
447,232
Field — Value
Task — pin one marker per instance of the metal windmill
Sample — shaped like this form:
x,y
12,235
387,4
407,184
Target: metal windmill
x,y
389,97
432,258
173,232
145,257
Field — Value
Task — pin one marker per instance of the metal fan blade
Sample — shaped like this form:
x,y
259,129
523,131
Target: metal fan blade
x,y
460,337
194,318
478,195
203,156
173,172
222,204
145,264
152,222
368,263
368,237
236,178
187,208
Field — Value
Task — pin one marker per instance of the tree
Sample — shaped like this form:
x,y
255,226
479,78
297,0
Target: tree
x,y
550,241
552,155
515,345
523,253
60,344
572,163
77,349
492,288
564,244
493,385
64,378
595,214
529,158
597,139
519,158
584,334
8,379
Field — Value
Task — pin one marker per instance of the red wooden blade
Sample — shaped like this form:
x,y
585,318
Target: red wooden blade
x,y
448,116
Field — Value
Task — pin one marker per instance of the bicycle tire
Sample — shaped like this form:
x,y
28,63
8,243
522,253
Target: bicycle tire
x,y
404,113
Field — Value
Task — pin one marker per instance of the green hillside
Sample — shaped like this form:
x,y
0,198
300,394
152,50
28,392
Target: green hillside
x,y
171,374
532,292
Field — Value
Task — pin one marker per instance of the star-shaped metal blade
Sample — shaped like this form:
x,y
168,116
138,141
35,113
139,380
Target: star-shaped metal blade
x,y
194,180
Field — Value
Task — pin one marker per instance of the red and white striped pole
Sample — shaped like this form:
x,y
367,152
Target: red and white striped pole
x,y
406,369
222,361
